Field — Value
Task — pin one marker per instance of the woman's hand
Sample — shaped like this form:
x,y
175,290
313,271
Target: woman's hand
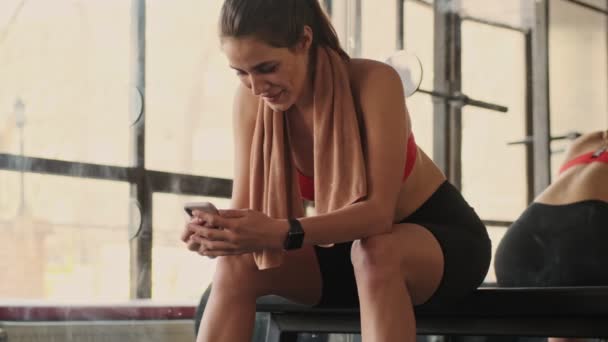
x,y
240,231
188,232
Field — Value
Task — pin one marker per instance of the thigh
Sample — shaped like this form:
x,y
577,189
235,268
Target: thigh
x,y
421,259
440,262
297,279
466,256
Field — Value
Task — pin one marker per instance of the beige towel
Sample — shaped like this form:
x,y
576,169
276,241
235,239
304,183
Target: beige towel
x,y
339,167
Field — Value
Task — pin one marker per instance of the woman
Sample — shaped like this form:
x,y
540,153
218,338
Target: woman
x,y
312,123
560,240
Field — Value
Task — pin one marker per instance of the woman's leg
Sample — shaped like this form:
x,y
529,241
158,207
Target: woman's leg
x,y
230,311
394,272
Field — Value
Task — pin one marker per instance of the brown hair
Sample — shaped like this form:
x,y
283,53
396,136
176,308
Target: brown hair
x,y
279,23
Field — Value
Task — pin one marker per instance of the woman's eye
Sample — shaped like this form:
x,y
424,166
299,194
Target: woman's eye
x,y
240,73
268,69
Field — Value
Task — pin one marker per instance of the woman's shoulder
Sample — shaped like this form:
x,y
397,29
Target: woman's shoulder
x,y
369,77
368,70
377,89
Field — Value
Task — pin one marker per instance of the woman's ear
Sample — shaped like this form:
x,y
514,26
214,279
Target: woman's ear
x,y
305,40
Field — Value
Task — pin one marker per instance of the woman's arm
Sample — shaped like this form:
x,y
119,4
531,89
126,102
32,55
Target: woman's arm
x,y
243,122
380,95
382,104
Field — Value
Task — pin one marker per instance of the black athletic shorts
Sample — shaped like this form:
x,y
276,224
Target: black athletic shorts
x,y
463,238
556,245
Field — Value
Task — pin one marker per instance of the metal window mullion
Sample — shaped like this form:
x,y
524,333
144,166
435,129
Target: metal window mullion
x,y
494,24
440,84
64,168
540,97
188,184
140,244
529,119
447,117
157,181
455,145
400,42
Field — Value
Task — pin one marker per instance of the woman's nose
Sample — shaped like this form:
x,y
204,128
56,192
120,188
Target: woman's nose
x,y
258,85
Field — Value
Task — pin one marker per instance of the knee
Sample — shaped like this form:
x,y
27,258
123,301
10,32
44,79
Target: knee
x,y
235,275
374,259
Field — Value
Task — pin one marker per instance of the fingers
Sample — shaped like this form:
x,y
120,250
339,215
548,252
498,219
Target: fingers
x,y
212,220
195,232
185,236
202,235
213,234
215,248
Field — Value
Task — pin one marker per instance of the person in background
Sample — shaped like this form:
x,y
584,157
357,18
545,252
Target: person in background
x,y
560,239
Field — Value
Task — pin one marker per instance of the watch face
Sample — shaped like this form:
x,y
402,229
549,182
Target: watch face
x,y
295,236
294,240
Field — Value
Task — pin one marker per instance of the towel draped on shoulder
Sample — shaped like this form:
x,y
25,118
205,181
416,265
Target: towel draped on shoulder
x,y
339,165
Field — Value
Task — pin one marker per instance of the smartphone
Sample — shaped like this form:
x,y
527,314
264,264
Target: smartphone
x,y
202,206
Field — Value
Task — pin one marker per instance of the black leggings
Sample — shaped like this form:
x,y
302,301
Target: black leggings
x,y
556,245
461,234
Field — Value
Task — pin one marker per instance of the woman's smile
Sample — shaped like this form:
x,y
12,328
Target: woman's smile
x,y
273,98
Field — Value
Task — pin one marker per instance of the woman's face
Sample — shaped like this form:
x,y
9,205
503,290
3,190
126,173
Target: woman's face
x,y
278,75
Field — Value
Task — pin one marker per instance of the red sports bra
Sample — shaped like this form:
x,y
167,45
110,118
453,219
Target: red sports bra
x,y
307,184
600,155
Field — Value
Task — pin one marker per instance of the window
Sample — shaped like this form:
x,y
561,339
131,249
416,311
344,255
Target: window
x,y
418,32
369,29
65,78
493,70
189,90
69,71
493,62
69,242
578,66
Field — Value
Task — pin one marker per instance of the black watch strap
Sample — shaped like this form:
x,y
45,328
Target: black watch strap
x,y
295,235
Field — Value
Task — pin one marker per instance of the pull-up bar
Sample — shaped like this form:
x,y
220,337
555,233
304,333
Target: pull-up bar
x,y
464,100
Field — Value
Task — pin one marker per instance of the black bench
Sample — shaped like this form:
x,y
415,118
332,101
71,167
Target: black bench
x,y
557,312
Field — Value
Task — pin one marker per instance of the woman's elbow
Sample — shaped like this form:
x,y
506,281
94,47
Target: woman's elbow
x,y
383,218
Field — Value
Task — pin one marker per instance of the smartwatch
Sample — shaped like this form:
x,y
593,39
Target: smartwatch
x,y
295,235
